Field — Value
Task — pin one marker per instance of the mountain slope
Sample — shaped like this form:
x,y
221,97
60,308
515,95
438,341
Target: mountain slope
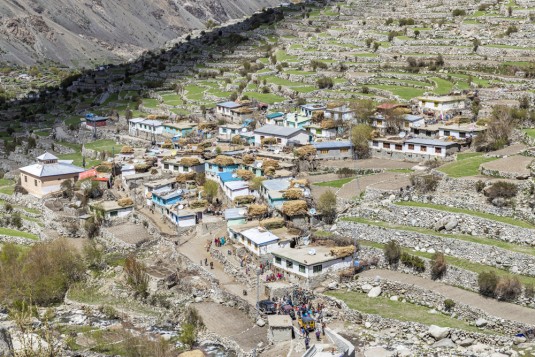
x,y
86,32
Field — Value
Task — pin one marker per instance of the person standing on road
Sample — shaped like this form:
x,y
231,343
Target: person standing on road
x,y
307,342
318,333
211,265
323,328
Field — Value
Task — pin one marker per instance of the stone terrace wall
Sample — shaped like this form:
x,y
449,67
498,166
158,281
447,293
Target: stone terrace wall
x,y
461,223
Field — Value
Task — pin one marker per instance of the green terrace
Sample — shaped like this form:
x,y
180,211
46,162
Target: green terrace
x,y
335,183
492,217
465,165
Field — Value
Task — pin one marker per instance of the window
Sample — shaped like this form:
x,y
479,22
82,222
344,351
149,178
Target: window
x,y
289,264
35,182
278,260
25,178
379,123
462,135
113,214
318,131
416,131
186,169
343,151
317,268
220,168
301,268
375,143
438,150
411,146
175,167
279,140
423,148
399,147
386,145
446,133
324,151
166,166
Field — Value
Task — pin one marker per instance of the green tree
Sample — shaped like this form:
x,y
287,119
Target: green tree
x,y
136,276
256,183
210,190
392,252
327,206
416,33
360,136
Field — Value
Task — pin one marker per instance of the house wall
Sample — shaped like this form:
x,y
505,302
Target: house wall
x,y
235,222
123,212
236,193
334,154
41,186
280,334
223,111
328,266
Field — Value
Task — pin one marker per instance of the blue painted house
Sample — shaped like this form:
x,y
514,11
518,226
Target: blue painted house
x,y
294,120
272,191
276,118
309,109
211,168
179,130
165,199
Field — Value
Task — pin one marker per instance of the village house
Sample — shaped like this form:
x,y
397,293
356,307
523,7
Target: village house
x,y
133,181
213,168
247,137
161,185
225,108
461,131
413,121
227,131
234,189
47,175
184,217
93,121
257,240
179,130
235,216
309,262
295,120
280,328
334,150
284,136
442,106
241,113
340,113
183,165
276,118
417,148
111,209
322,133
141,125
164,199
308,110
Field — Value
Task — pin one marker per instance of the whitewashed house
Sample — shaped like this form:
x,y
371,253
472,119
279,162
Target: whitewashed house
x,y
442,105
283,135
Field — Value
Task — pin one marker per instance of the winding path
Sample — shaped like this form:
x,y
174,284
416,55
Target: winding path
x,y
500,309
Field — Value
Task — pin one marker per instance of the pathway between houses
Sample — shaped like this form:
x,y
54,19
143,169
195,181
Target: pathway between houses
x,y
491,306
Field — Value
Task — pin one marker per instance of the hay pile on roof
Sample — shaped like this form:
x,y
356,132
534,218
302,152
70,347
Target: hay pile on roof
x,y
269,171
272,223
127,150
207,126
222,160
318,116
141,167
126,201
244,200
300,182
328,124
270,163
305,152
256,210
198,204
236,140
245,174
248,159
294,208
167,144
341,252
183,142
205,144
334,104
187,176
189,161
268,141
293,194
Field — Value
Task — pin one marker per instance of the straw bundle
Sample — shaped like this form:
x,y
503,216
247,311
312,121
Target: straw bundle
x,y
168,144
327,124
248,159
245,174
300,182
293,194
256,210
127,150
189,161
188,176
272,223
294,208
222,160
306,151
268,141
244,200
341,252
126,201
198,204
270,163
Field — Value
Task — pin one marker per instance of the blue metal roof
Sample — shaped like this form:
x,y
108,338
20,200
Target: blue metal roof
x,y
332,144
234,213
411,118
229,105
274,115
276,184
227,177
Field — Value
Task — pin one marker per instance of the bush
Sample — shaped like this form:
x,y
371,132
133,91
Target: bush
x,y
508,288
345,172
529,291
501,189
425,183
325,82
392,252
480,185
327,206
16,220
136,276
487,282
413,261
438,265
449,304
458,12
511,29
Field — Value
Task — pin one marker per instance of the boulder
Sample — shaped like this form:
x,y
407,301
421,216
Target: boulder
x,y
333,285
366,287
198,299
452,223
261,322
519,339
446,342
481,322
394,298
466,342
6,345
375,292
437,332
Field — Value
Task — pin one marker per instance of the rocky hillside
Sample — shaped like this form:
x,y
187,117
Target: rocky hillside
x,y
88,32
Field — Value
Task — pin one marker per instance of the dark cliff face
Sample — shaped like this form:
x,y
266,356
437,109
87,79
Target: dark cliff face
x,y
88,32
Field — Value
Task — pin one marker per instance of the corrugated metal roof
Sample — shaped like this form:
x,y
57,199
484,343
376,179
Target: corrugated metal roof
x,y
278,130
274,115
276,184
234,213
229,105
259,237
55,169
227,177
332,144
411,118
46,157
236,185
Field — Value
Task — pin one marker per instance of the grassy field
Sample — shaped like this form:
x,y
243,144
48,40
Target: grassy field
x,y
465,237
465,166
398,310
335,183
102,145
15,233
507,220
530,132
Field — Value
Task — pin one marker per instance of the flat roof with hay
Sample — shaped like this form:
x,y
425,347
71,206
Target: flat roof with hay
x,y
303,256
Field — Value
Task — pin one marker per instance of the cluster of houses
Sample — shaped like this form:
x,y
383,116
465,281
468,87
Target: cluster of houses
x,y
250,158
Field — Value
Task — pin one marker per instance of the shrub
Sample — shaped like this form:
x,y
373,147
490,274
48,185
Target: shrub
x,y
529,291
345,172
511,29
327,206
501,189
392,252
413,261
458,12
8,207
325,82
487,282
425,183
136,276
480,185
449,304
508,288
438,265
16,220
